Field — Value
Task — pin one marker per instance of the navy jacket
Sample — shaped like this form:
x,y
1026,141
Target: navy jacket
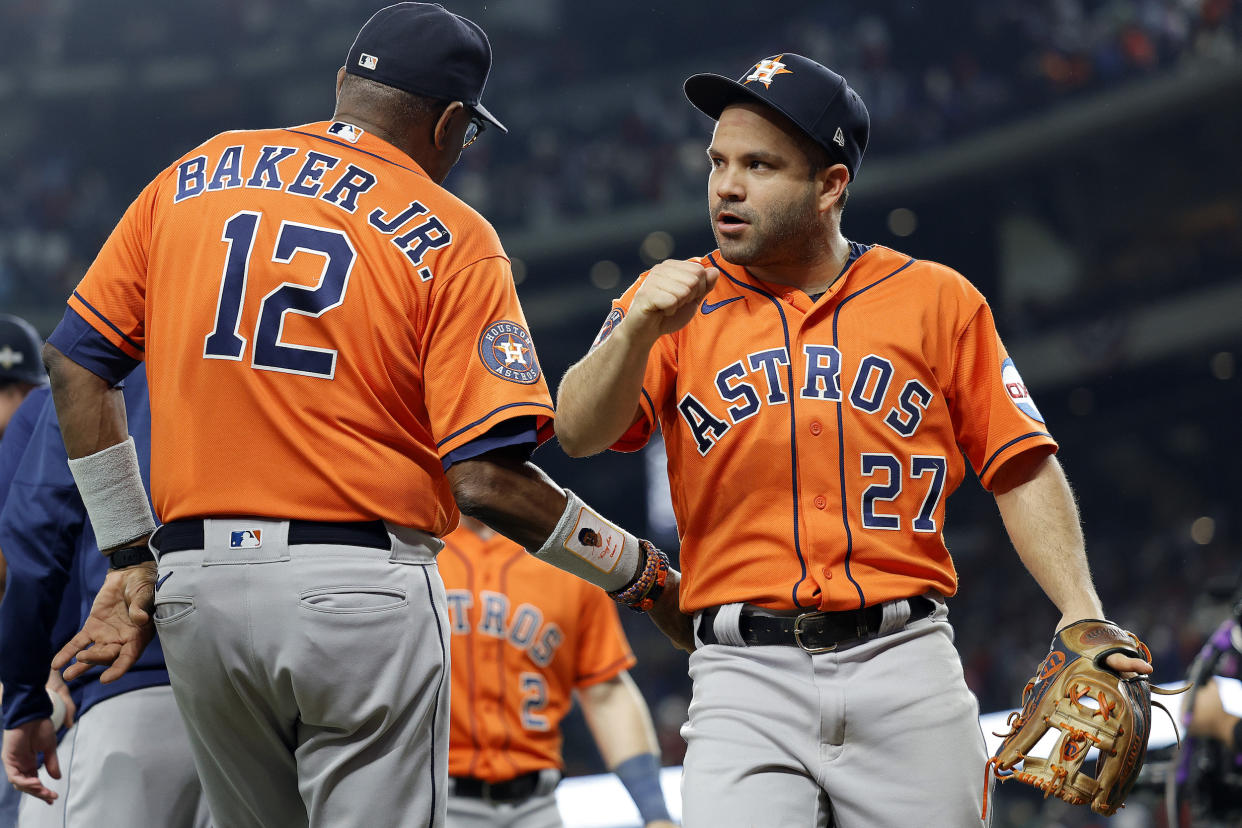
x,y
50,548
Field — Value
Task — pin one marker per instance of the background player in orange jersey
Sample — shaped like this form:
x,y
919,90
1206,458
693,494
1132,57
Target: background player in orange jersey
x,y
818,398
524,638
337,360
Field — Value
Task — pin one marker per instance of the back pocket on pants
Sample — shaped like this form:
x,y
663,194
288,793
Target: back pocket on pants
x,y
353,599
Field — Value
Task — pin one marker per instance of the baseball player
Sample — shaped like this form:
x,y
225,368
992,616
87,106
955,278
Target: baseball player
x,y
526,637
21,372
819,398
51,552
1209,769
21,369
337,360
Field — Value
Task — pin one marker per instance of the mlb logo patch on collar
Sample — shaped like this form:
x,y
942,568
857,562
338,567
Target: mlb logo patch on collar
x,y
246,539
349,132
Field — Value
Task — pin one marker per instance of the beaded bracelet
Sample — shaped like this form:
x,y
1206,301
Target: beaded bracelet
x,y
642,592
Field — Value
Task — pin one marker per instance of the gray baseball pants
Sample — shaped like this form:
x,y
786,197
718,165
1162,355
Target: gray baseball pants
x,y
125,762
313,678
539,811
884,733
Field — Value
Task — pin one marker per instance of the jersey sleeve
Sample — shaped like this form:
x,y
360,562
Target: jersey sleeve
x,y
603,650
479,362
39,523
657,380
994,417
111,297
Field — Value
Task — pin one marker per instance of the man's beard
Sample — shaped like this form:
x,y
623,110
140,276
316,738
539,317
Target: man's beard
x,y
782,236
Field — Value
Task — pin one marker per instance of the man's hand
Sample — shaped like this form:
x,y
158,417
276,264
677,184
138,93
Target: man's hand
x,y
56,684
118,628
1209,719
668,298
668,616
22,746
1128,666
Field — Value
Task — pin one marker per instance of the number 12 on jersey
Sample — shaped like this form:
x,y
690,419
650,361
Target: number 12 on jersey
x,y
270,353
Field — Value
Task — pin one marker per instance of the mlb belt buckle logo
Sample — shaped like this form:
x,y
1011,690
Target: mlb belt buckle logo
x,y
246,539
798,632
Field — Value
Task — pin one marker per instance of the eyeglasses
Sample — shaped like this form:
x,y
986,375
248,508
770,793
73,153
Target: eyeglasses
x,y
473,130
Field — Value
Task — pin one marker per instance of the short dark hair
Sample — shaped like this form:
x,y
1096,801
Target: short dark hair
x,y
406,107
818,159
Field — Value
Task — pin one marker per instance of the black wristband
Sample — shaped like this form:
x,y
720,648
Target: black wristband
x,y
128,556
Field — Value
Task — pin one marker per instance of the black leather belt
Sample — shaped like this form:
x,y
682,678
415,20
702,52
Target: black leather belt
x,y
815,632
180,535
517,789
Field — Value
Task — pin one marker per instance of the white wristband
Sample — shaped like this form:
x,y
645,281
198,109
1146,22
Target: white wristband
x,y
587,545
112,491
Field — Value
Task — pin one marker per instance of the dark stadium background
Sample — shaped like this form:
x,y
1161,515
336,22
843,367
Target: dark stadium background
x,y
1077,160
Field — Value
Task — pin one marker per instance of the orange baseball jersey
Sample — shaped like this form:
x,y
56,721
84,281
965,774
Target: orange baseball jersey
x,y
322,323
812,445
525,635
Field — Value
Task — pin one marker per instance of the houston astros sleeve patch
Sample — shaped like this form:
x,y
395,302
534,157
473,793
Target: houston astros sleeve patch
x,y
507,351
614,319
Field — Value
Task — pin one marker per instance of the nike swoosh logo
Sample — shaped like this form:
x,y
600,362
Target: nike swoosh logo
x,y
161,581
708,308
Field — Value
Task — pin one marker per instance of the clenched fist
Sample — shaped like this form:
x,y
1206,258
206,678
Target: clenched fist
x,y
669,296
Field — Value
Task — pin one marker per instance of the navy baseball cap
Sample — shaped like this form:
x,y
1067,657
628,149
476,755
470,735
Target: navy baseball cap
x,y
20,360
424,49
814,97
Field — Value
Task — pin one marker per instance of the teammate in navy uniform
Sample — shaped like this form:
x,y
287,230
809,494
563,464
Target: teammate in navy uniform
x,y
51,550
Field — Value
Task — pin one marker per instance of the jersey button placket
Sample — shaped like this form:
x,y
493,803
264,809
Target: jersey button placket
x,y
820,502
816,428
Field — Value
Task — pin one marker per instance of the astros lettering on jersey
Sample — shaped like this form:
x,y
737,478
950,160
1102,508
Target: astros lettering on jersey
x,y
333,324
525,635
812,451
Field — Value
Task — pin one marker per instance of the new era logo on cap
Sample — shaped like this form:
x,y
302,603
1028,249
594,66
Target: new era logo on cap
x,y
839,138
367,61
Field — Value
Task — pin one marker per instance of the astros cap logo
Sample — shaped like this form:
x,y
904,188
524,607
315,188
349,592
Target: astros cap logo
x,y
767,69
9,357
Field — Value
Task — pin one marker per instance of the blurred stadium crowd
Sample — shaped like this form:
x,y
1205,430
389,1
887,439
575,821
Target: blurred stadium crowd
x,y
587,135
1134,219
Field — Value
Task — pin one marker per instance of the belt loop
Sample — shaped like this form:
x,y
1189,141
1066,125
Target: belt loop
x,y
412,546
895,615
153,542
726,625
549,778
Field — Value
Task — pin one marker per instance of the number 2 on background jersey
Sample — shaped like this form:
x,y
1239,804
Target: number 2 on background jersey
x,y
269,352
534,699
890,487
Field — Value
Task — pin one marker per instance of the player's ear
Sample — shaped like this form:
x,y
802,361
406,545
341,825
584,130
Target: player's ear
x,y
340,78
444,129
831,182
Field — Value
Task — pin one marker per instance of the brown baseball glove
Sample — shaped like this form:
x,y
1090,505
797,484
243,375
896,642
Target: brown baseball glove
x,y
1090,706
